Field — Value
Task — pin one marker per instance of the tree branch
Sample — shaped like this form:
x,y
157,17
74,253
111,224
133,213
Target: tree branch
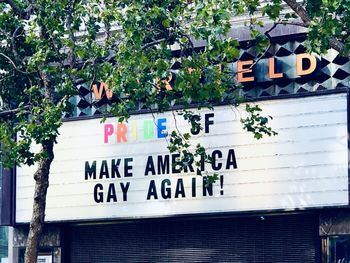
x,y
13,43
153,43
72,37
299,10
302,13
336,44
24,14
12,112
292,23
188,39
266,33
112,54
14,65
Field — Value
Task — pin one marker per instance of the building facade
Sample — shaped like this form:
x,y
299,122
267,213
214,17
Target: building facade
x,y
115,195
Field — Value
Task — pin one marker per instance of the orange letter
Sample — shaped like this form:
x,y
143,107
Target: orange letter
x,y
166,82
272,73
121,132
109,92
98,91
190,70
241,70
299,61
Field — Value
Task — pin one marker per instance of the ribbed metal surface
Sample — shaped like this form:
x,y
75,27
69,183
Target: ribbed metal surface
x,y
275,239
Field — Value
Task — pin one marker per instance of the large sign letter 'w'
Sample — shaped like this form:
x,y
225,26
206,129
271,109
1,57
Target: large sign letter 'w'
x,y
98,91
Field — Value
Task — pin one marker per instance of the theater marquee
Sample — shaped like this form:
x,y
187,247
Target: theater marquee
x,y
117,170
273,69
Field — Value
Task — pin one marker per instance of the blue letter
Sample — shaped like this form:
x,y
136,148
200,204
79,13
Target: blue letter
x,y
161,127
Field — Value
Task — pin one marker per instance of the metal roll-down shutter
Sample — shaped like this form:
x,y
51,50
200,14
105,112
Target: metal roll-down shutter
x,y
268,239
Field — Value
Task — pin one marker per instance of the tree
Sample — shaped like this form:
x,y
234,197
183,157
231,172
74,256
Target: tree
x,y
48,47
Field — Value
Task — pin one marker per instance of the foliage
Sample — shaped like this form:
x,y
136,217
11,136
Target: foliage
x,y
256,123
329,19
48,47
132,46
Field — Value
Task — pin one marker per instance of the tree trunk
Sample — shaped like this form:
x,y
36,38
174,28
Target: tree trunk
x,y
41,178
297,7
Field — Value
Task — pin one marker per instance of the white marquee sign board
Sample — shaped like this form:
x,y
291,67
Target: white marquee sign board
x,y
110,170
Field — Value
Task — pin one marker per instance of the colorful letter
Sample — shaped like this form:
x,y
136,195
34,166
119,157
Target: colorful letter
x,y
148,129
161,126
134,130
242,70
121,132
98,91
272,73
108,132
299,61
